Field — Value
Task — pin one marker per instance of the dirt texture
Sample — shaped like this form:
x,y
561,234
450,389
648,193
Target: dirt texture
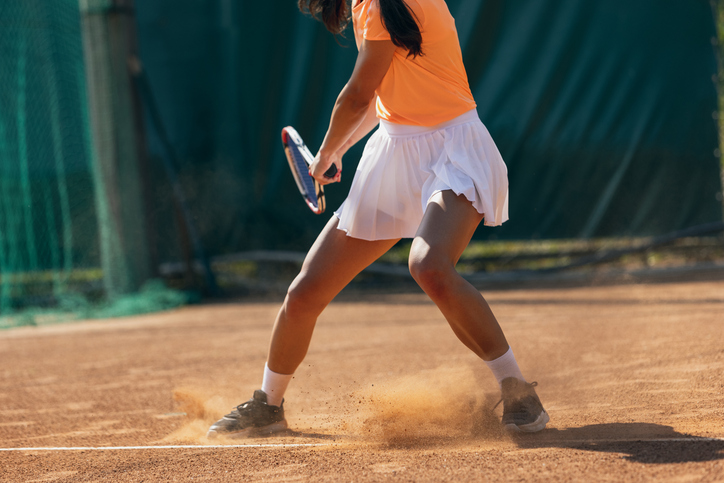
x,y
631,375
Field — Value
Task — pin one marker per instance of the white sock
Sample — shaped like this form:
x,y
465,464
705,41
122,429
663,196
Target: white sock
x,y
274,385
505,366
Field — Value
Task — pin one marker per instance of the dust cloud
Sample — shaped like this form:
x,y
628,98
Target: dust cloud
x,y
202,409
433,407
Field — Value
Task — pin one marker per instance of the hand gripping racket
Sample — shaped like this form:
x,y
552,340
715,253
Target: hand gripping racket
x,y
300,158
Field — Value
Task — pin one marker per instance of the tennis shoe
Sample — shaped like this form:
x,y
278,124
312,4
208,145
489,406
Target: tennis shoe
x,y
522,409
253,418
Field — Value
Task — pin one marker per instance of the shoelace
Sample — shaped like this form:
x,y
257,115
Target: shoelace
x,y
528,384
237,409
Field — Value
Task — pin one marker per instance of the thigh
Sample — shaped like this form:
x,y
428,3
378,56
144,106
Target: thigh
x,y
335,259
447,227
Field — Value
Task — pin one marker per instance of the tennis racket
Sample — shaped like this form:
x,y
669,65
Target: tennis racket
x,y
300,158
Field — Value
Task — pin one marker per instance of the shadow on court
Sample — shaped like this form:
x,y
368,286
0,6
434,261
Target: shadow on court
x,y
639,442
607,302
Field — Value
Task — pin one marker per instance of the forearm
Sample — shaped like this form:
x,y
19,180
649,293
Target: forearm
x,y
353,116
370,122
349,122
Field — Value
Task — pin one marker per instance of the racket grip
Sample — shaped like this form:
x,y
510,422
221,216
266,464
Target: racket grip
x,y
331,172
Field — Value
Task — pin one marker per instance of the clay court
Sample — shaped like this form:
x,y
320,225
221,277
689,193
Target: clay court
x,y
631,374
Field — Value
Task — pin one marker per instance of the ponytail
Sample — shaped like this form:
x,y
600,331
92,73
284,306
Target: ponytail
x,y
397,18
400,22
334,13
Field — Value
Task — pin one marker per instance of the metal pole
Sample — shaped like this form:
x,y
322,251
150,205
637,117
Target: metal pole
x,y
108,44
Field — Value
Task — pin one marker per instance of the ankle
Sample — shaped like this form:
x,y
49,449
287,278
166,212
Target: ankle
x,y
274,386
504,367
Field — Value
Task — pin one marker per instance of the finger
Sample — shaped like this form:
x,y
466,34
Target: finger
x,y
322,180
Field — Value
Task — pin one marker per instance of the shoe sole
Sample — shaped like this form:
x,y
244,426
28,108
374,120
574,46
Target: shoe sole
x,y
251,432
538,425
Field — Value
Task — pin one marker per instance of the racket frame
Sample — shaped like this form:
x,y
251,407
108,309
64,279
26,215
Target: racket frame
x,y
293,141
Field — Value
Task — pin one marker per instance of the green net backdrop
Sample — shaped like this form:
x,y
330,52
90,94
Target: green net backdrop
x,y
47,213
53,210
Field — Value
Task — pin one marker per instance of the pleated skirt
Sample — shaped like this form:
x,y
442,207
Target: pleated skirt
x,y
403,166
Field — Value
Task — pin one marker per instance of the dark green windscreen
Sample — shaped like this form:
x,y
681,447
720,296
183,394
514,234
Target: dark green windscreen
x,y
603,110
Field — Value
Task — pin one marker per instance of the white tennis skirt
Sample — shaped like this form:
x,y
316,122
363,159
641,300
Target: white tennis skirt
x,y
403,166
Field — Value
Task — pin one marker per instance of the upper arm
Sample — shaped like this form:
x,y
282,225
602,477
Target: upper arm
x,y
373,62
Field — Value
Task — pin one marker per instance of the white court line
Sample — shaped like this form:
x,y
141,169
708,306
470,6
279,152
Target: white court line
x,y
177,446
298,445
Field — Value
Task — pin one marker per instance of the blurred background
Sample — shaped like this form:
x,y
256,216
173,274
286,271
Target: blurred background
x,y
141,165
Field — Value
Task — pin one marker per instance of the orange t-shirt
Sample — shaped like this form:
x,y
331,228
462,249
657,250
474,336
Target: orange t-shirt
x,y
429,89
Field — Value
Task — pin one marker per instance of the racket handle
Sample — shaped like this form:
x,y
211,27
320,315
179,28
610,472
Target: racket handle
x,y
331,172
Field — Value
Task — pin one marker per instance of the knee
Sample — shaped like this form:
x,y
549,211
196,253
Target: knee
x,y
301,301
431,273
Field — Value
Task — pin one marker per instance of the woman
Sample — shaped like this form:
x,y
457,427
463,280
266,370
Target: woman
x,y
431,172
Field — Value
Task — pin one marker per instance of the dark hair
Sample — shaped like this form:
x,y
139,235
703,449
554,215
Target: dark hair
x,y
397,18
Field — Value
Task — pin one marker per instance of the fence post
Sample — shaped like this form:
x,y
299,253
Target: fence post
x,y
117,138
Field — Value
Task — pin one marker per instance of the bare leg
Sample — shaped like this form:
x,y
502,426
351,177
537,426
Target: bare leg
x,y
445,231
332,262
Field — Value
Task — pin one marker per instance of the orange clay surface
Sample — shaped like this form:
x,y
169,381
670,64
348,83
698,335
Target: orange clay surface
x,y
632,376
